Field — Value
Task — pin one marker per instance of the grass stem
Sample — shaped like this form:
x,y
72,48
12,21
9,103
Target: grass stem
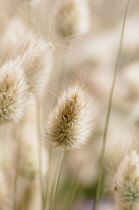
x,y
58,179
100,173
40,151
131,207
17,163
47,186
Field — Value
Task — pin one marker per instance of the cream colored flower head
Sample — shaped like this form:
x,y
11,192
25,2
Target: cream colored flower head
x,y
72,18
37,63
71,121
13,38
13,92
126,181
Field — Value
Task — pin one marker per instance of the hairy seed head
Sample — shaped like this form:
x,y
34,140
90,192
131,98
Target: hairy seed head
x,y
37,62
12,39
13,92
72,18
126,181
71,121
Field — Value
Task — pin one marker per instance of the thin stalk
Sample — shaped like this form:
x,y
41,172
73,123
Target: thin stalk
x,y
74,193
48,177
18,153
29,14
58,179
3,136
131,207
63,65
72,190
40,151
100,175
68,194
3,130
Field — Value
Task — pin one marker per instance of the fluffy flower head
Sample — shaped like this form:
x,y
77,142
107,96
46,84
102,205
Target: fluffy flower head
x,y
126,183
37,63
13,92
72,18
71,121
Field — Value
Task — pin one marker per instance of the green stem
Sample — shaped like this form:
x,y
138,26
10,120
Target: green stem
x,y
18,153
58,179
74,194
131,207
100,175
40,152
73,190
48,178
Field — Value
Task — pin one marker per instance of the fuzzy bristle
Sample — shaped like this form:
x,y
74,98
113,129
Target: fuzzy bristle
x,y
13,92
72,18
37,63
71,121
12,39
126,182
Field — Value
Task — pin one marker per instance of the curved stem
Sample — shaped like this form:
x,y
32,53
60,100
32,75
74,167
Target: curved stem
x,y
40,152
58,179
47,185
100,175
17,163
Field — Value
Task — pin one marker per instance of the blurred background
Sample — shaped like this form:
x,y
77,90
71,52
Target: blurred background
x,y
89,59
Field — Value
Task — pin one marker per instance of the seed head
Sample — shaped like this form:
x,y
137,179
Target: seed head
x,y
13,92
126,182
72,18
37,63
71,121
12,39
